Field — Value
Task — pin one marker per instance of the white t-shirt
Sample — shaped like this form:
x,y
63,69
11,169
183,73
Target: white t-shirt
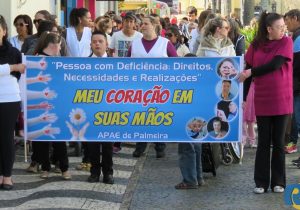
x,y
77,48
121,43
9,91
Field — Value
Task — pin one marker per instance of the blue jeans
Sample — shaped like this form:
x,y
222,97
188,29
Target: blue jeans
x,y
190,162
295,120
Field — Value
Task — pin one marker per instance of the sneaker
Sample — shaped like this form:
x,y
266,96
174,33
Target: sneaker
x,y
201,182
83,167
259,190
116,150
93,178
33,167
88,167
66,175
296,162
160,154
44,175
253,145
291,148
278,189
137,153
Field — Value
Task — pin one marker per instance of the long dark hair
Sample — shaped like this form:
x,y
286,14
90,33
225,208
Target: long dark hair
x,y
75,14
266,20
3,25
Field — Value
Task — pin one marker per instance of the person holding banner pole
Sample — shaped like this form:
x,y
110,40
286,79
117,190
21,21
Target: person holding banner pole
x,y
269,64
10,103
49,45
151,45
99,45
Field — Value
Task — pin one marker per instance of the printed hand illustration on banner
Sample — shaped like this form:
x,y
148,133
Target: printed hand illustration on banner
x,y
43,105
47,131
73,131
77,117
40,78
82,132
40,65
46,94
45,117
77,135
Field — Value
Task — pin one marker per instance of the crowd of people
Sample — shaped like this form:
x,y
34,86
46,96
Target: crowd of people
x,y
271,83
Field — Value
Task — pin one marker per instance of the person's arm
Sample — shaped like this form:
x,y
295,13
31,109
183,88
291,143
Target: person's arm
x,y
296,65
240,46
247,84
171,50
269,67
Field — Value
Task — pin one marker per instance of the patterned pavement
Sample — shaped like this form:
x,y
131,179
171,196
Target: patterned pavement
x,y
32,192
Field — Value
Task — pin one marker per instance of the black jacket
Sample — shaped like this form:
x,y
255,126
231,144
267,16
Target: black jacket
x,y
10,55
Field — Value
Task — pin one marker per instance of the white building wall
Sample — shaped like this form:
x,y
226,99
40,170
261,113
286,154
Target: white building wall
x,y
11,8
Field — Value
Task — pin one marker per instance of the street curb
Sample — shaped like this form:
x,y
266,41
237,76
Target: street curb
x,y
132,183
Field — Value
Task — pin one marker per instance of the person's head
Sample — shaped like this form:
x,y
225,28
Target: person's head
x,y
202,17
158,27
234,30
47,25
217,27
217,125
23,24
226,68
226,85
149,26
50,41
104,25
173,35
191,12
196,125
80,17
3,30
292,19
271,26
129,21
42,15
99,43
232,107
117,22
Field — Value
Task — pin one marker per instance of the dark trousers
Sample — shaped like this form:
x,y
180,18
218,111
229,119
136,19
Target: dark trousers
x,y
8,117
159,146
106,163
271,129
59,151
86,152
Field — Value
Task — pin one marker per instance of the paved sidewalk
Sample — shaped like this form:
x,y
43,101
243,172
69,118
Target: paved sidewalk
x,y
232,188
145,183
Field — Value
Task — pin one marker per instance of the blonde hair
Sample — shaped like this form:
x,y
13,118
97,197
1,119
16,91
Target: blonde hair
x,y
212,25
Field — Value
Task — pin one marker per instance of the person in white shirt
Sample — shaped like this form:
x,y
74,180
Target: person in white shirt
x,y
121,40
99,46
10,70
78,36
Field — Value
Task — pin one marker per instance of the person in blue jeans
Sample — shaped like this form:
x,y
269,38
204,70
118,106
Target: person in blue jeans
x,y
190,165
